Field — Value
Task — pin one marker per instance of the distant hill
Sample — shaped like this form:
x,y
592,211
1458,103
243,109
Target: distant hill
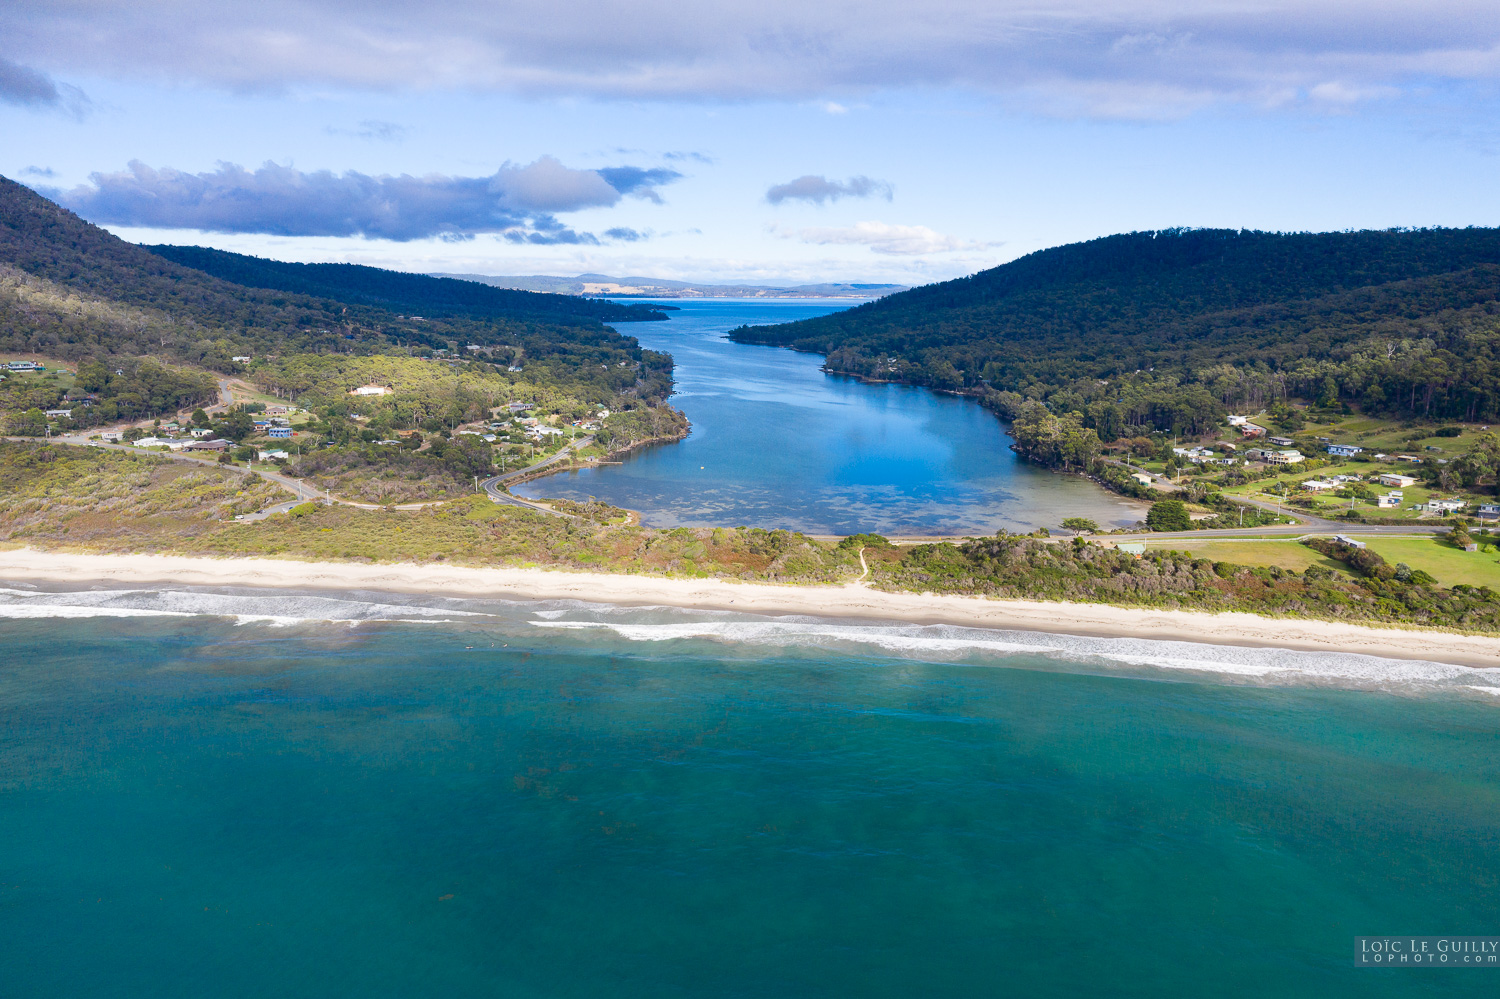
x,y
1166,327
399,291
646,287
71,290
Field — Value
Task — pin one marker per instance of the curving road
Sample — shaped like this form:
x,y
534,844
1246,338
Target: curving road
x,y
494,486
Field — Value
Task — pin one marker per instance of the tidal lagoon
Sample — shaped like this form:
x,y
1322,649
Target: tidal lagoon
x,y
778,443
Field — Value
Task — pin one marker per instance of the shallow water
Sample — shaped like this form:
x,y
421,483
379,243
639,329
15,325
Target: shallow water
x,y
221,792
778,443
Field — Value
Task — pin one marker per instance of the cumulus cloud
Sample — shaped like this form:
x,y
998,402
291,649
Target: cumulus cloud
x,y
1112,57
882,237
25,86
820,189
518,202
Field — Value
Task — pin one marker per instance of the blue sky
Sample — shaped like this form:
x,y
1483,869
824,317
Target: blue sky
x,y
769,142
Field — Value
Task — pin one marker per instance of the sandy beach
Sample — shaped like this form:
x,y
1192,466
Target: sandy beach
x,y
848,601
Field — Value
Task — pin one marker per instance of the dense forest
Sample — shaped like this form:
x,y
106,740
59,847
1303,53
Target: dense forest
x,y
428,296
1168,330
72,291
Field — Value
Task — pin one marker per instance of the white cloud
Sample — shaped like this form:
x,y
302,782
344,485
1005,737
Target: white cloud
x,y
818,189
882,237
1116,58
516,201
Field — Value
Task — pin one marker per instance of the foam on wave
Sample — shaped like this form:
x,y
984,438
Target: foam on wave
x,y
946,641
274,609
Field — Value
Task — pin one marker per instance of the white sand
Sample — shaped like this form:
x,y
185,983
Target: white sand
x,y
848,601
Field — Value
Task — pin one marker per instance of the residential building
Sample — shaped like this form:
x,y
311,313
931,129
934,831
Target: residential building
x,y
1348,542
1282,457
1393,479
1389,500
273,455
217,444
1411,458
24,366
1489,511
1344,450
1136,548
282,433
111,435
1251,430
241,358
1444,505
371,390
59,414
1142,478
1317,485
1281,441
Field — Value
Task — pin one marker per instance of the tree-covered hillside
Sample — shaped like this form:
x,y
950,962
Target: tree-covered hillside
x,y
355,284
1166,329
74,292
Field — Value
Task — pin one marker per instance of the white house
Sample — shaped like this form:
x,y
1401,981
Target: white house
x,y
1392,479
1282,457
241,358
1444,506
201,432
1316,485
371,390
1388,500
1344,450
167,442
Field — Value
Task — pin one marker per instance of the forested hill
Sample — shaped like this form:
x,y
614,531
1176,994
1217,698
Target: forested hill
x,y
71,290
1169,328
402,292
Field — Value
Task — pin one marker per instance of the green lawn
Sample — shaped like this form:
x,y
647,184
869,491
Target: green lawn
x,y
1285,553
1450,565
1447,564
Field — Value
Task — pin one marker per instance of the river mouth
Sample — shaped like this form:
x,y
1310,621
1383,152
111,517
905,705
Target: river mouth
x,y
778,443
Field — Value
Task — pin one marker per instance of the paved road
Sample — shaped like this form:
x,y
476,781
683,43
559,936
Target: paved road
x,y
494,486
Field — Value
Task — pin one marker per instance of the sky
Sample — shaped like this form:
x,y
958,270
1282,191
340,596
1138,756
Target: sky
x,y
765,142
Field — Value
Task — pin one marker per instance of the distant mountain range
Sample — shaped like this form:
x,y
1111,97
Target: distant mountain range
x,y
647,287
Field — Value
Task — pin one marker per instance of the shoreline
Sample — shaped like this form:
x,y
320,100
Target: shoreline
x,y
847,601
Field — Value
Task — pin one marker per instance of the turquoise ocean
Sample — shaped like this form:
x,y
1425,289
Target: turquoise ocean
x,y
258,793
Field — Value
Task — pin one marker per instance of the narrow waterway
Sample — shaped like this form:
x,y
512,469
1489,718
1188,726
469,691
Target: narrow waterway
x,y
776,442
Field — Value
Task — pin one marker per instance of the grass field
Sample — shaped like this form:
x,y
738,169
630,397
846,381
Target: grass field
x,y
1287,554
1447,564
